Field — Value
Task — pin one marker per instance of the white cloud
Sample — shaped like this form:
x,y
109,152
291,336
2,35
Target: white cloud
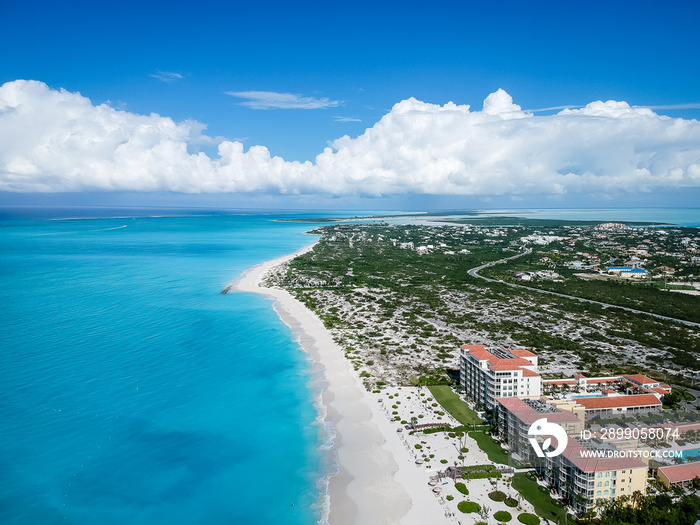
x,y
690,105
167,76
59,141
346,119
273,100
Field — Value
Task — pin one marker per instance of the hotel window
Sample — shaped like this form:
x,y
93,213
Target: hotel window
x,y
607,474
600,484
606,493
597,493
607,483
600,474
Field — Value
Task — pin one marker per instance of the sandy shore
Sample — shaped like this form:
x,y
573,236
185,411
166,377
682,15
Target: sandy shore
x,y
378,482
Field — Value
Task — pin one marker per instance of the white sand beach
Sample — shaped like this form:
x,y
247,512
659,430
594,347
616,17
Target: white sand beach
x,y
378,482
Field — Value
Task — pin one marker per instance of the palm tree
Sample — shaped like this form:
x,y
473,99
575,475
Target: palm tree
x,y
637,498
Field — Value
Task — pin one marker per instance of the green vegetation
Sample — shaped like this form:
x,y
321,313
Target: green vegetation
x,y
644,297
497,495
653,510
502,516
542,502
400,312
677,398
438,377
631,293
480,472
468,506
482,475
462,488
528,519
454,405
494,451
479,468
446,428
511,502
530,223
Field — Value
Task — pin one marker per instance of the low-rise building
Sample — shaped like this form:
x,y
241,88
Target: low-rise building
x,y
619,404
678,475
627,271
646,384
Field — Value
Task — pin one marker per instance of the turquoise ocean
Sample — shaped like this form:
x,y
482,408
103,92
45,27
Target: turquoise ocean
x,y
134,392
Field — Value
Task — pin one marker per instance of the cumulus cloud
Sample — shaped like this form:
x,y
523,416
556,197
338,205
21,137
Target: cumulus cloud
x,y
273,100
54,140
166,76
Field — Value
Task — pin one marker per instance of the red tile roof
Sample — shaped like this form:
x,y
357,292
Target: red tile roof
x,y
522,353
685,427
529,373
480,353
576,454
511,363
641,379
680,473
528,415
474,347
638,400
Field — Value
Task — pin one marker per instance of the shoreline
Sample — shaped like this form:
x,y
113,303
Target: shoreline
x,y
377,481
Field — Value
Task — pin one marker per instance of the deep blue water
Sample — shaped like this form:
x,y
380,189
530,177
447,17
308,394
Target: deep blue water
x,y
132,391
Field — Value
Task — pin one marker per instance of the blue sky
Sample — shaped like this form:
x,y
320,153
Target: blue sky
x,y
354,60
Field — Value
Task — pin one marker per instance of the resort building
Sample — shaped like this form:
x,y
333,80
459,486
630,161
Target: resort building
x,y
643,383
627,271
678,475
612,404
588,482
633,384
487,374
516,415
582,383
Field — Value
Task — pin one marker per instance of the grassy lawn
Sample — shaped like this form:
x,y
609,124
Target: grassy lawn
x,y
451,402
542,502
493,450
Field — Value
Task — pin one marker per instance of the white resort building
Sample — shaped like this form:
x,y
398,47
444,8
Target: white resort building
x,y
487,374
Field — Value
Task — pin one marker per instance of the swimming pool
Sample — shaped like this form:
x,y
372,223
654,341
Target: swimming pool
x,y
693,453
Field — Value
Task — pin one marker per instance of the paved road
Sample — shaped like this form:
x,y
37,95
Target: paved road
x,y
474,272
